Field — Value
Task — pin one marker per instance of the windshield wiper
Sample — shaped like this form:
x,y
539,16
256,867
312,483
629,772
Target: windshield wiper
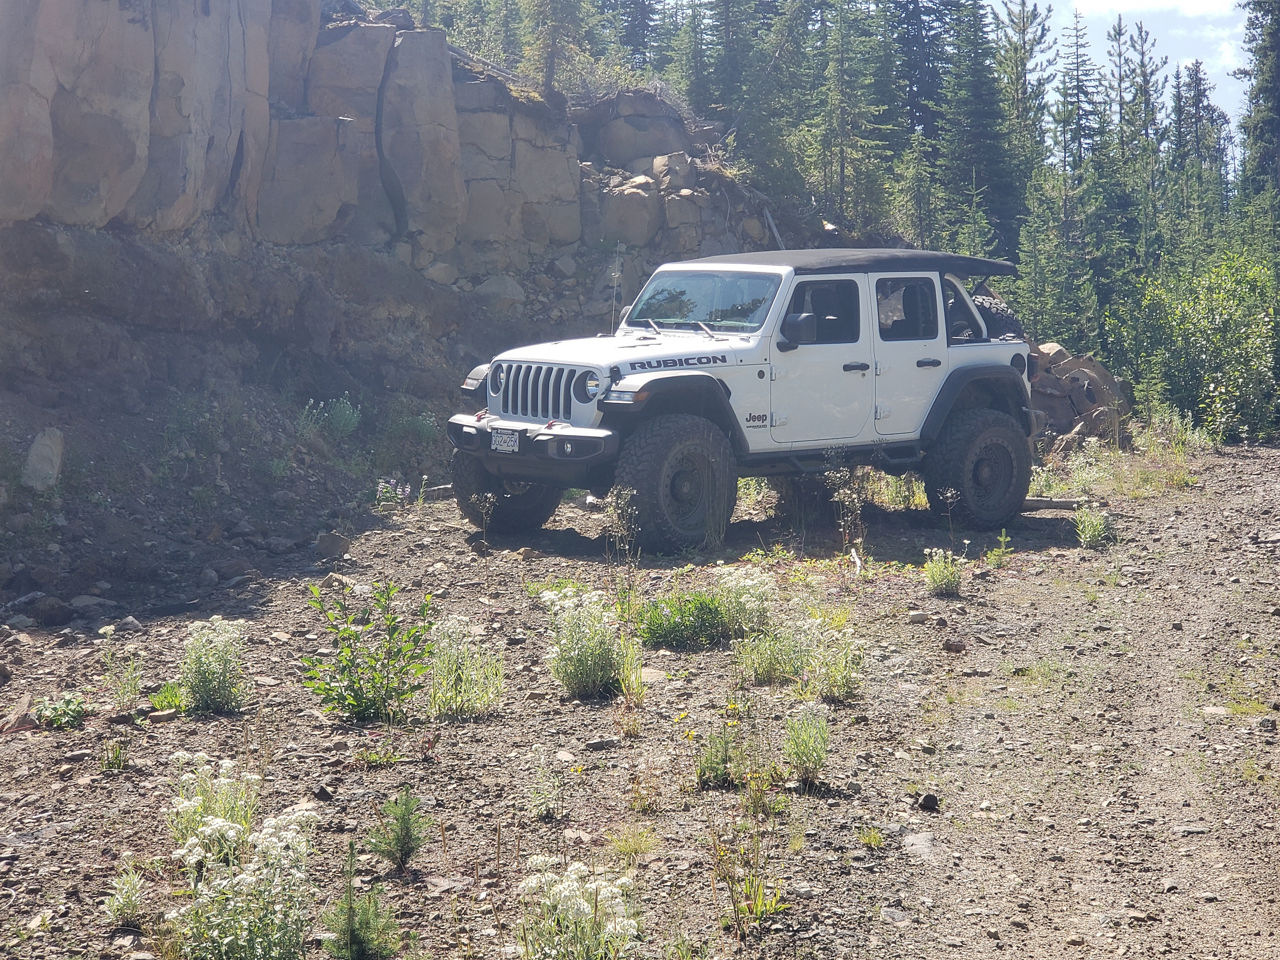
x,y
705,329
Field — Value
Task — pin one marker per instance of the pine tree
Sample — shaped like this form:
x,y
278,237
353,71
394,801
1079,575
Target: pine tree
x,y
1261,122
974,139
1024,56
919,33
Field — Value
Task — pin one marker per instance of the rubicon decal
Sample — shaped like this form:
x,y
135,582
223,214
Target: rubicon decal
x,y
668,363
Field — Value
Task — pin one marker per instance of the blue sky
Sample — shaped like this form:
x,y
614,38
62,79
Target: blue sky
x,y
1184,30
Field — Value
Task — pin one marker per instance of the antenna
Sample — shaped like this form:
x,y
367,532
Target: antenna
x,y
615,276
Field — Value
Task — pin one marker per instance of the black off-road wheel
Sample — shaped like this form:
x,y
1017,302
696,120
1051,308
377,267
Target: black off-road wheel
x,y
999,319
512,507
979,470
683,480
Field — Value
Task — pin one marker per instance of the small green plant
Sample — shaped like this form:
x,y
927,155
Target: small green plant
x,y
381,658
871,837
997,557
716,761
115,755
572,914
546,796
834,670
805,746
65,713
465,682
360,928
942,572
337,419
772,657
741,870
587,656
122,674
685,621
128,890
212,675
168,697
631,672
402,832
631,842
1095,529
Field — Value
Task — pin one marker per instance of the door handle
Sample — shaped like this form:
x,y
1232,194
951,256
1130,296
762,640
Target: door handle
x,y
930,362
850,367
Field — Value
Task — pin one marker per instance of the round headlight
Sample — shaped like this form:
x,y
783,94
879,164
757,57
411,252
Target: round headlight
x,y
496,377
591,386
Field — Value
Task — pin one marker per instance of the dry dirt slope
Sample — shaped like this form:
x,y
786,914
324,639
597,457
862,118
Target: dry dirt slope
x,y
1103,751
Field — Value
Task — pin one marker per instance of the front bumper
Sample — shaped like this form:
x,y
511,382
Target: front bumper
x,y
550,453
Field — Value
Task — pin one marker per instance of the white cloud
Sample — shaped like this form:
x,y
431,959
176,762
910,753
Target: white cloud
x,y
1208,9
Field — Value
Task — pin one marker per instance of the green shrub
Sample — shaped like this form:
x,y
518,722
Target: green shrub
x,y
773,657
942,573
337,419
834,670
805,746
716,761
212,675
128,889
64,713
587,657
744,593
1094,528
205,794
465,682
381,659
168,697
685,621
402,832
122,675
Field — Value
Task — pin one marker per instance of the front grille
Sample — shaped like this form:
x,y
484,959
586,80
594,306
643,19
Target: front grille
x,y
536,391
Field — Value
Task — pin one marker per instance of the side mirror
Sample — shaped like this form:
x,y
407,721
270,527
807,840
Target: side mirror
x,y
797,329
626,312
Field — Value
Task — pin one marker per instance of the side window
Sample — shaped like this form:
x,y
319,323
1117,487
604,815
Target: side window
x,y
962,325
907,308
835,303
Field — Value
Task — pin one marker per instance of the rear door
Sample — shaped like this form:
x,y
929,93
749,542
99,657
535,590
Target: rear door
x,y
823,392
910,350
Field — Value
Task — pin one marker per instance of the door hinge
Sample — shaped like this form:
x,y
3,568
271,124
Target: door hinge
x,y
882,412
777,421
879,369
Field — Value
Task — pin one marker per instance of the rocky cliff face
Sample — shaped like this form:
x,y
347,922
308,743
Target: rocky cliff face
x,y
207,145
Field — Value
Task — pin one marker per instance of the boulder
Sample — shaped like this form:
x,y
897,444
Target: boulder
x,y
294,27
399,17
44,460
681,211
309,186
631,214
500,294
674,171
490,217
627,138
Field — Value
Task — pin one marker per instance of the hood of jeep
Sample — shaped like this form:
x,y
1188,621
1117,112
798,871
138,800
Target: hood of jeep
x,y
631,354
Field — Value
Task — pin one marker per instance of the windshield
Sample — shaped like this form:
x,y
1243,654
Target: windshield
x,y
723,302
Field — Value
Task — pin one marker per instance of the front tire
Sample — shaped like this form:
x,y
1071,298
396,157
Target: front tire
x,y
515,507
980,468
683,477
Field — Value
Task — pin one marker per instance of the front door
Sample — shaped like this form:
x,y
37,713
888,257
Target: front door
x,y
910,351
824,391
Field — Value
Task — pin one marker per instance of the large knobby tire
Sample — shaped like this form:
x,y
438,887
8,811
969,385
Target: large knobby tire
x,y
683,480
515,507
999,319
979,469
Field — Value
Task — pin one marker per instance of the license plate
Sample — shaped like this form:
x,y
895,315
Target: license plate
x,y
505,441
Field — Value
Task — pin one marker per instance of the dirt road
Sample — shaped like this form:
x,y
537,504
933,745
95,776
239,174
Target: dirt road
x,y
1102,752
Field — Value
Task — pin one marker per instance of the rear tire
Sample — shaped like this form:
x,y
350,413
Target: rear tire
x,y
683,477
517,507
1000,320
979,470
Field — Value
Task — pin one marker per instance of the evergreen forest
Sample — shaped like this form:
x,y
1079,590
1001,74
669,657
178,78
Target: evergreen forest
x,y
1144,219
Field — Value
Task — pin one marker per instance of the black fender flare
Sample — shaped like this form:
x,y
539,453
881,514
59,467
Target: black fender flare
x,y
697,393
1004,380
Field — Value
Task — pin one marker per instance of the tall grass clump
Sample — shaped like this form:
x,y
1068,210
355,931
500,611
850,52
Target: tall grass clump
x,y
572,914
382,656
771,657
587,656
212,676
685,621
1095,529
833,672
465,681
942,572
805,745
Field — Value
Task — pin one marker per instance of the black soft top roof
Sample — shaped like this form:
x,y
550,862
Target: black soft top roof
x,y
871,260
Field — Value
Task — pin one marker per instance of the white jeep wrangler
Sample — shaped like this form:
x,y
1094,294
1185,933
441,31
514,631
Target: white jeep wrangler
x,y
759,364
